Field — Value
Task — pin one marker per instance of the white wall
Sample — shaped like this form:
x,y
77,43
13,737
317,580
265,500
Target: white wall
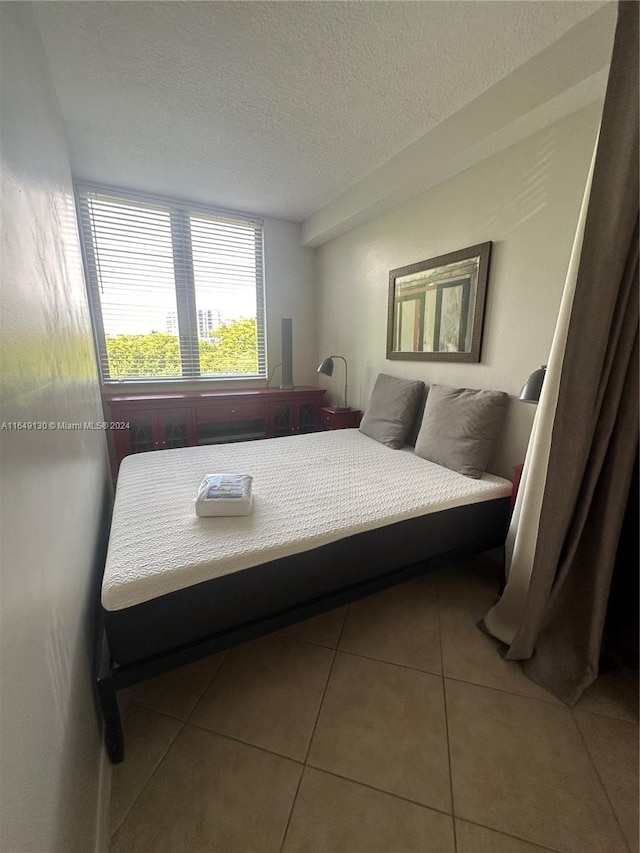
x,y
526,200
54,493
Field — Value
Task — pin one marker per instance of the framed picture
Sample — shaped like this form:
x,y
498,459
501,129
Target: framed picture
x,y
436,307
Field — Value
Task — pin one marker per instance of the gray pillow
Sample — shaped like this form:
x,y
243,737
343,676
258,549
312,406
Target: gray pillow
x,y
459,428
392,410
412,435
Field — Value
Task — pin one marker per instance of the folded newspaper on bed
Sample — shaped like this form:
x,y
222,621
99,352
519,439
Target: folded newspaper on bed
x,y
224,494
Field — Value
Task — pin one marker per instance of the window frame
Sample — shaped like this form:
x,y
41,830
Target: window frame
x,y
187,314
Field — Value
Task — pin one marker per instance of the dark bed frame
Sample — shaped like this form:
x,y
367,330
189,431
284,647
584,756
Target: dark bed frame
x,y
151,638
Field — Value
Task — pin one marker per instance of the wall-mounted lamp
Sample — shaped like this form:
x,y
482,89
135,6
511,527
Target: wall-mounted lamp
x,y
326,368
533,386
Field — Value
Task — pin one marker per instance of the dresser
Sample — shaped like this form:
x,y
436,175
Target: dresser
x,y
141,422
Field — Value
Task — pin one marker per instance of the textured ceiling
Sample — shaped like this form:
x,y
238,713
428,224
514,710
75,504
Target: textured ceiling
x,y
274,107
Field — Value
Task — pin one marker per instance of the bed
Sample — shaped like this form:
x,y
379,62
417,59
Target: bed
x,y
336,515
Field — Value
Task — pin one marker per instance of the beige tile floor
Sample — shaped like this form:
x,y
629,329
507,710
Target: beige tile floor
x,y
391,725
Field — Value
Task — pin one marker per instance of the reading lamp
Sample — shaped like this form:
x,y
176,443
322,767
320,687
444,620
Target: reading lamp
x,y
326,368
533,386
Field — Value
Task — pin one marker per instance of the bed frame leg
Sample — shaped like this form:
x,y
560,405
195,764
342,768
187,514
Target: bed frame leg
x,y
107,694
113,736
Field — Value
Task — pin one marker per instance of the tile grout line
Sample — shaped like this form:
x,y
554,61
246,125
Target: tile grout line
x,y
301,639
303,764
446,722
188,721
453,814
326,685
507,692
391,663
161,713
602,785
561,706
321,769
169,745
293,805
313,730
442,674
235,739
413,669
148,782
546,848
337,776
225,654
632,720
370,787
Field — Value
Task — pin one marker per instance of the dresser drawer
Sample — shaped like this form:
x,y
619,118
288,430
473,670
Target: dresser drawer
x,y
230,411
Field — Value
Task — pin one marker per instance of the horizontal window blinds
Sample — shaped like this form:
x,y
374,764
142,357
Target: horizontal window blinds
x,y
176,292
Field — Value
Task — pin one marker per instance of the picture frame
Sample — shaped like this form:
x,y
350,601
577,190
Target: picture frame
x,y
436,307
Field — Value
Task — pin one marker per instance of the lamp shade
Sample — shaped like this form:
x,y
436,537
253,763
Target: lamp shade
x,y
533,386
326,368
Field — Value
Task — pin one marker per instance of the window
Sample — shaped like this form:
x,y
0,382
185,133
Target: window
x,y
176,291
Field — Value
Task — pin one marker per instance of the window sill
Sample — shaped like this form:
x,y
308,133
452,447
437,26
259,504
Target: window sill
x,y
133,386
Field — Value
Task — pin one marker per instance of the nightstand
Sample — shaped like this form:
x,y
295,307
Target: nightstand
x,y
517,473
339,418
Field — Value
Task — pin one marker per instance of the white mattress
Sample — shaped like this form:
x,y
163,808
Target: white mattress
x,y
308,490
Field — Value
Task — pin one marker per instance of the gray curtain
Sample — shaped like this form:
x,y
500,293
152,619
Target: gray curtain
x,y
595,432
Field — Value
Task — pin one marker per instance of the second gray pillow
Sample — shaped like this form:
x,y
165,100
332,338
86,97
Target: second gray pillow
x,y
459,428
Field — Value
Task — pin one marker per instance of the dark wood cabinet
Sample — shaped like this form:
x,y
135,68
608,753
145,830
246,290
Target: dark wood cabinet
x,y
291,416
331,418
517,474
144,422
152,429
